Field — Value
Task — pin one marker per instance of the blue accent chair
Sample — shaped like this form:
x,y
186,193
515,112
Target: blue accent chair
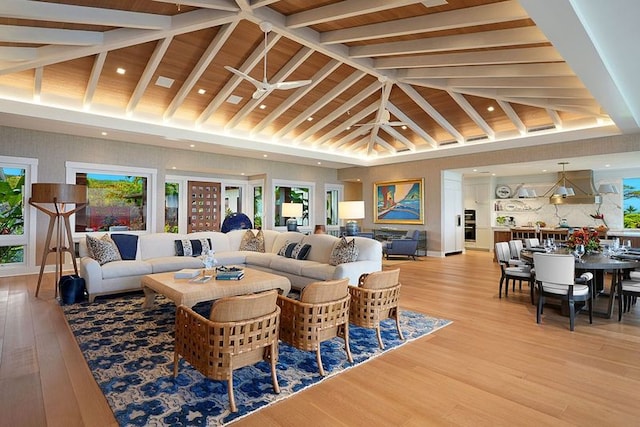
x,y
407,245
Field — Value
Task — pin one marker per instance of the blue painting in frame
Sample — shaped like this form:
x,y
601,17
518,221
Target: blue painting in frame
x,y
399,202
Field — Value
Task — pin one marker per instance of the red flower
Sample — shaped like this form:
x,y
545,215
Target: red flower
x,y
585,237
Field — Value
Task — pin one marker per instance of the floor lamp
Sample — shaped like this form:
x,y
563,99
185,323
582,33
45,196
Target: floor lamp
x,y
58,195
351,211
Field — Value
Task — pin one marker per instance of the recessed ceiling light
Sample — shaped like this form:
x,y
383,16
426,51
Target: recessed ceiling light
x,y
348,127
234,99
475,170
544,170
165,82
242,174
607,166
120,70
202,91
262,106
404,127
173,167
319,163
490,108
104,133
192,145
265,155
309,119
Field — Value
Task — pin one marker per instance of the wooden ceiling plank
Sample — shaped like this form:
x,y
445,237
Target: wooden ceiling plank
x,y
261,3
227,5
318,77
297,60
39,35
460,18
15,54
513,116
147,74
494,71
384,144
212,50
96,71
491,57
348,138
428,108
412,125
234,80
42,11
472,113
321,102
124,37
516,82
341,10
487,39
349,122
399,137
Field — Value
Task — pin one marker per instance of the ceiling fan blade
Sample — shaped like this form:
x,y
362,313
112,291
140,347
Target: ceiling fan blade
x,y
396,124
291,85
245,76
365,124
259,93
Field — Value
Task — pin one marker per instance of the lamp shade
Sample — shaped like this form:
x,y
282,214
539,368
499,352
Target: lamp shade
x,y
58,193
292,210
351,210
607,188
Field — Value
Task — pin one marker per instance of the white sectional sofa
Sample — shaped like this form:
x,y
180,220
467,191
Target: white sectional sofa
x,y
156,253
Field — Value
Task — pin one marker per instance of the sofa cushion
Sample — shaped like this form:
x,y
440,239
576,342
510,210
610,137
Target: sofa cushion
x,y
259,259
321,246
219,241
127,245
174,263
289,265
233,257
251,242
155,245
318,271
344,251
192,247
103,250
127,268
284,237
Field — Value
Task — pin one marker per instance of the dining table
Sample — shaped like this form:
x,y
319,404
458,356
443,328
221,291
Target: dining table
x,y
598,264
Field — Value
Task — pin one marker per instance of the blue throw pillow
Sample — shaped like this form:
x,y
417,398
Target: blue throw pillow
x,y
127,245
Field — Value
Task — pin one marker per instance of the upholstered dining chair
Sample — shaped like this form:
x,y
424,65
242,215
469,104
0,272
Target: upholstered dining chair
x,y
555,277
511,272
241,331
515,247
531,242
628,292
321,313
374,299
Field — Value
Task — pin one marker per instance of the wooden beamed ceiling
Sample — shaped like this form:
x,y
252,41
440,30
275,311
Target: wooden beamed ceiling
x,y
388,76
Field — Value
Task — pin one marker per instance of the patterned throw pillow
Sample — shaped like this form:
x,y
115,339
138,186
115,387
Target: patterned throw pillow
x,y
193,248
251,242
300,251
344,251
283,249
103,250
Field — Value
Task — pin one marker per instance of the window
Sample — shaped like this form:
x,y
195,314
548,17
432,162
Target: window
x,y
17,244
171,206
118,198
257,206
631,205
296,193
232,200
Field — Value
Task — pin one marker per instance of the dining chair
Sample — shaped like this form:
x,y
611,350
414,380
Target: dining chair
x,y
241,331
321,313
510,272
555,278
532,242
515,247
376,298
627,292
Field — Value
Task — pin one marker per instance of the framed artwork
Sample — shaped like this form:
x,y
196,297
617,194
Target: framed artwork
x,y
399,202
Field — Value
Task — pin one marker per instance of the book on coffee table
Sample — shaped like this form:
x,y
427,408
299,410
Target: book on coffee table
x,y
230,274
187,273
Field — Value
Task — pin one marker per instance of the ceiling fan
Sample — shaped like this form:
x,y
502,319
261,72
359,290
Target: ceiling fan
x,y
384,121
263,87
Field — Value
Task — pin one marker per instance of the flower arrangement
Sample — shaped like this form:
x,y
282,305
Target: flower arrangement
x,y
586,237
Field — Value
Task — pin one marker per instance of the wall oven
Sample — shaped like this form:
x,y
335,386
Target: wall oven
x,y
469,225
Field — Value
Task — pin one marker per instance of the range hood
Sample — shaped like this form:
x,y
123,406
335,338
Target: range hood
x,y
582,184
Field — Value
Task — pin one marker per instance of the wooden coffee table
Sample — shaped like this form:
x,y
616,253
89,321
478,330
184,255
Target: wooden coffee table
x,y
185,292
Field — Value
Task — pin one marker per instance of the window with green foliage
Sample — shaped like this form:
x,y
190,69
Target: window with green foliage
x,y
631,200
257,206
171,206
12,184
292,194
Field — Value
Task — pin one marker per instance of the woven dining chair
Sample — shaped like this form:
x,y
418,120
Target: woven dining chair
x,y
376,298
321,313
241,331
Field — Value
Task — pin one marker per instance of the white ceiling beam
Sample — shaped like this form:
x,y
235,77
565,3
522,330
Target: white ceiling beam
x,y
555,117
489,57
428,108
349,122
234,80
487,39
296,61
384,98
472,16
516,82
349,137
342,10
494,71
147,74
545,93
15,54
412,125
227,5
207,56
472,113
42,11
318,77
96,71
39,35
125,37
399,137
381,142
37,84
513,116
321,102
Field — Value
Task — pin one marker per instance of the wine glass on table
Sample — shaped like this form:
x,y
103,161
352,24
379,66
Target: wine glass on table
x,y
579,251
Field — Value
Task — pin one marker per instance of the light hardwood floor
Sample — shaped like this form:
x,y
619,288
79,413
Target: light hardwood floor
x,y
493,366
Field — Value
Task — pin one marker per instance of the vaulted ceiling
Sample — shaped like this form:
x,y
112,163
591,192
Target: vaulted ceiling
x,y
391,80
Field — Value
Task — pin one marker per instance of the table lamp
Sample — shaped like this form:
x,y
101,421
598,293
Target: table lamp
x,y
351,211
292,211
58,195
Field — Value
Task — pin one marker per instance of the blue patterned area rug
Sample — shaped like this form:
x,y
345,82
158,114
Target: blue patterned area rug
x,y
129,349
